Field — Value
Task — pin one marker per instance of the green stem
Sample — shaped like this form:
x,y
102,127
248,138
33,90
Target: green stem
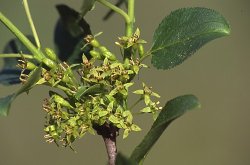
x,y
37,53
16,56
129,28
131,15
146,55
32,26
116,9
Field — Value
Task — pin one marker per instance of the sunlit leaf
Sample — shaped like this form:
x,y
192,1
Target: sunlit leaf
x,y
135,127
125,133
172,110
113,119
183,32
146,110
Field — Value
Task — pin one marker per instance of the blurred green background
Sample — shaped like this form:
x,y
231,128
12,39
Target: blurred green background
x,y
218,74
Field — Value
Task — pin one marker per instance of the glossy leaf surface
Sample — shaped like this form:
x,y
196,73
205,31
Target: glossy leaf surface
x,y
183,32
172,110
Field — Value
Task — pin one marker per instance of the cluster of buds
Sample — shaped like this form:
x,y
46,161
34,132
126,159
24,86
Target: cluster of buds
x,y
98,98
26,66
151,106
133,42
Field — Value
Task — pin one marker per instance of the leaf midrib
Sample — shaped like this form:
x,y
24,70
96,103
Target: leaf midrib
x,y
184,39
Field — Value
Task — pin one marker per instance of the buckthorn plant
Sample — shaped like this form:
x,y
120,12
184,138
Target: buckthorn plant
x,y
90,85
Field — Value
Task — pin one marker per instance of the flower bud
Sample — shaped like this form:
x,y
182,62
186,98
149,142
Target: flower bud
x,y
141,50
106,53
51,54
61,101
95,54
95,43
30,66
48,62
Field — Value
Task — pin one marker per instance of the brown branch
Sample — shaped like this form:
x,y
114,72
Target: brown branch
x,y
109,134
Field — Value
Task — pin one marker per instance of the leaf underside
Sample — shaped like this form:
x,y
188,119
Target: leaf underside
x,y
183,32
172,110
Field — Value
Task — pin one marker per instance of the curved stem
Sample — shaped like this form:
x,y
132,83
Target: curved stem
x,y
27,10
116,9
11,55
37,53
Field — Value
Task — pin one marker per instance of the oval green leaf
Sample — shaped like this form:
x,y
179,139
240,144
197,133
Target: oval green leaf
x,y
172,110
183,32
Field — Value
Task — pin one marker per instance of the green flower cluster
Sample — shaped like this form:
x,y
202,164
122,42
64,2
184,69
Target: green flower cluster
x,y
99,98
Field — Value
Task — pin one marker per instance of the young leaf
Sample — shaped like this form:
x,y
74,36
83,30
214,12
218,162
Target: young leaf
x,y
139,92
125,133
83,91
135,127
113,119
80,92
183,32
172,110
102,113
146,110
